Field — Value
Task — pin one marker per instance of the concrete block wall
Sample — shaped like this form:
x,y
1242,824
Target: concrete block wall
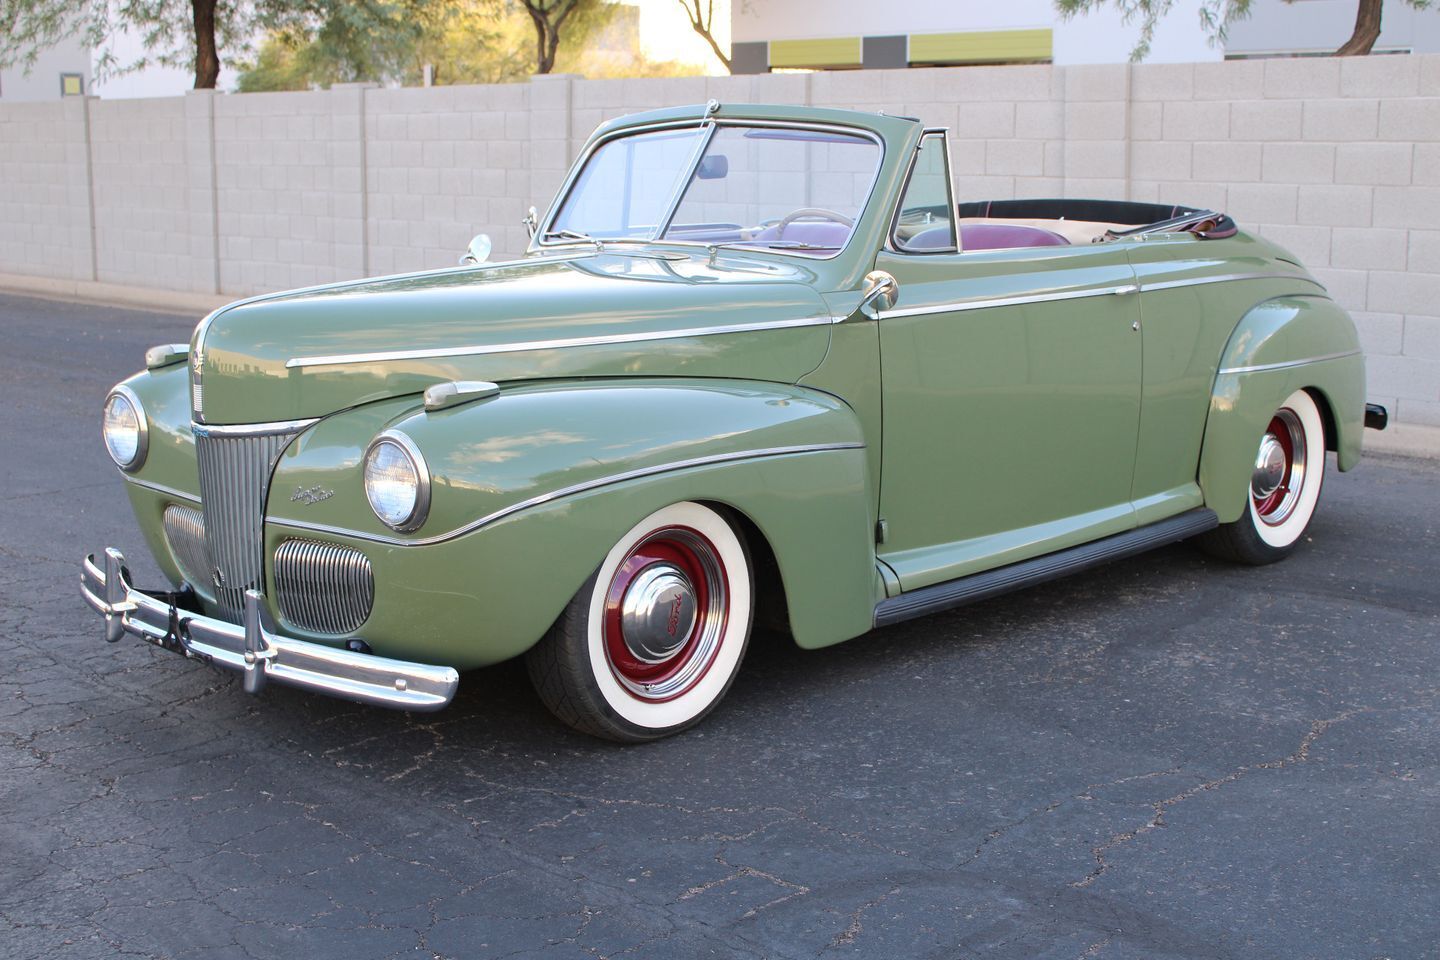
x,y
45,203
288,189
1337,159
142,224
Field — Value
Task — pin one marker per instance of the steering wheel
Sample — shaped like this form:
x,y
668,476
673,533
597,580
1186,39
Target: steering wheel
x,y
812,213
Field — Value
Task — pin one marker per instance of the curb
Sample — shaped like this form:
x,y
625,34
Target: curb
x,y
112,294
1404,440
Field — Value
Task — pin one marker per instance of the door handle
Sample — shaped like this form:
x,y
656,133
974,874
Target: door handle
x,y
1126,290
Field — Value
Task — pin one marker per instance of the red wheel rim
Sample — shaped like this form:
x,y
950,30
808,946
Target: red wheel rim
x,y
665,613
1279,474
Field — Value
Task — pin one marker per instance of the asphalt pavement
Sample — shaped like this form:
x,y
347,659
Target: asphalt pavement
x,y
1168,757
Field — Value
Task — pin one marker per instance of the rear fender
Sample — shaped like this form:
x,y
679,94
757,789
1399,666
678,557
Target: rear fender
x,y
1280,346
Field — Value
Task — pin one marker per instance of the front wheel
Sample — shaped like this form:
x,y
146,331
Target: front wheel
x,y
1284,488
652,641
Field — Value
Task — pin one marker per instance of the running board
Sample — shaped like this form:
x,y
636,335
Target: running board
x,y
1062,563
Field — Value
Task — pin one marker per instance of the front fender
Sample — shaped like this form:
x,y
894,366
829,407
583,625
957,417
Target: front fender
x,y
532,487
1280,346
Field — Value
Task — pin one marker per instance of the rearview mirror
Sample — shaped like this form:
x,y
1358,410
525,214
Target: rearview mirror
x,y
478,251
715,167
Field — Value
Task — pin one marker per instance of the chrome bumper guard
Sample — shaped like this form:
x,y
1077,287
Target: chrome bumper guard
x,y
255,651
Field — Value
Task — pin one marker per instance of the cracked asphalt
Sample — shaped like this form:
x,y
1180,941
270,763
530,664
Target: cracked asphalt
x,y
1165,758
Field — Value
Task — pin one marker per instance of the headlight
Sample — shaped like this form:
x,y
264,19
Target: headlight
x,y
397,482
125,431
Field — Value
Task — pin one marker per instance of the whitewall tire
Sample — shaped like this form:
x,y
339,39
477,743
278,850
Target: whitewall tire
x,y
1284,489
653,640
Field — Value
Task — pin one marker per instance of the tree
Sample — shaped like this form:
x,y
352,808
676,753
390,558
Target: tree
x,y
703,24
461,41
176,33
1217,15
549,17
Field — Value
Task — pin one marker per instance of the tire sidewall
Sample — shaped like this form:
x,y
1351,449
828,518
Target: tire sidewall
x,y
1283,536
643,719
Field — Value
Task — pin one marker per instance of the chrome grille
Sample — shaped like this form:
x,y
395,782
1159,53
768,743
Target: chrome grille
x,y
234,479
323,587
185,532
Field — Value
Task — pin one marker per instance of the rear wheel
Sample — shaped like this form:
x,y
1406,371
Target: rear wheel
x,y
652,641
1284,487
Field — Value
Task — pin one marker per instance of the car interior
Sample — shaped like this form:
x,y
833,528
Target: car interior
x,y
1010,224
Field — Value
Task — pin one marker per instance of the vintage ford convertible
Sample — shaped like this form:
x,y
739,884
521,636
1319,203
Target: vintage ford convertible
x,y
758,366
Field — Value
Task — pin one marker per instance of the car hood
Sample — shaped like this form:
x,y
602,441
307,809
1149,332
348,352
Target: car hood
x,y
311,352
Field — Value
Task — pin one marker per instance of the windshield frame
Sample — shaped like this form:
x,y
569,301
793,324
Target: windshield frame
x,y
707,125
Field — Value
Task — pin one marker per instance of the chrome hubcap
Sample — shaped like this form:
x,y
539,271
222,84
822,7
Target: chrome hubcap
x,y
1269,467
657,613
665,614
1279,474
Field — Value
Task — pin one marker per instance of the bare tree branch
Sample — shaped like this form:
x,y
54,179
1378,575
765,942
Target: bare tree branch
x,y
703,24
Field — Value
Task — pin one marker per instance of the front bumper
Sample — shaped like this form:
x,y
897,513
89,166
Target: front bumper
x,y
254,650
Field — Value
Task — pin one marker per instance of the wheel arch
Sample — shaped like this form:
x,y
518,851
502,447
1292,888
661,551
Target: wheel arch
x,y
772,610
1281,345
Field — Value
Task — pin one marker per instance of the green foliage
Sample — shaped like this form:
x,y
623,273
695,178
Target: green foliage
x,y
166,27
463,41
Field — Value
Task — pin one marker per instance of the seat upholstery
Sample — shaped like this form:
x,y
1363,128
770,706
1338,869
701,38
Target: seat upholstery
x,y
986,236
816,233
1001,236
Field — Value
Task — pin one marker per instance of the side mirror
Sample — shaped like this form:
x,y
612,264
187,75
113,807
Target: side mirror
x,y
531,222
478,251
880,293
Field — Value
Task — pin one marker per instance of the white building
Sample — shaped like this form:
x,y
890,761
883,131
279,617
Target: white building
x,y
846,34
61,71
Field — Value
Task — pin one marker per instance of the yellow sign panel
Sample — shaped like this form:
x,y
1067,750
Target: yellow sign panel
x,y
981,46
830,52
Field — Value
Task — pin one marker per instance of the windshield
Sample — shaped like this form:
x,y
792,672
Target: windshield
x,y
781,188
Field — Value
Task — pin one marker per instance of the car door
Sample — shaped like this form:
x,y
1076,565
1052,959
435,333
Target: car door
x,y
1011,391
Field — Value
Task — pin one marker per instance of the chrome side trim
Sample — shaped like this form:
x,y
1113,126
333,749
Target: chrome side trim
x,y
997,302
569,491
161,488
478,350
1225,278
1122,289
276,428
1257,368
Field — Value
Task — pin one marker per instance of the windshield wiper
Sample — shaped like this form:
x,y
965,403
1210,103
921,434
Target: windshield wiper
x,y
570,235
778,244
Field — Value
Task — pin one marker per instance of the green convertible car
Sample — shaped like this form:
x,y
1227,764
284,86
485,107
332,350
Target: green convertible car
x,y
758,367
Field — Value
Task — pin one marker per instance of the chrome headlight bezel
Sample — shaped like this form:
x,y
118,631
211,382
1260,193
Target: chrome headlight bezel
x,y
142,435
420,508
